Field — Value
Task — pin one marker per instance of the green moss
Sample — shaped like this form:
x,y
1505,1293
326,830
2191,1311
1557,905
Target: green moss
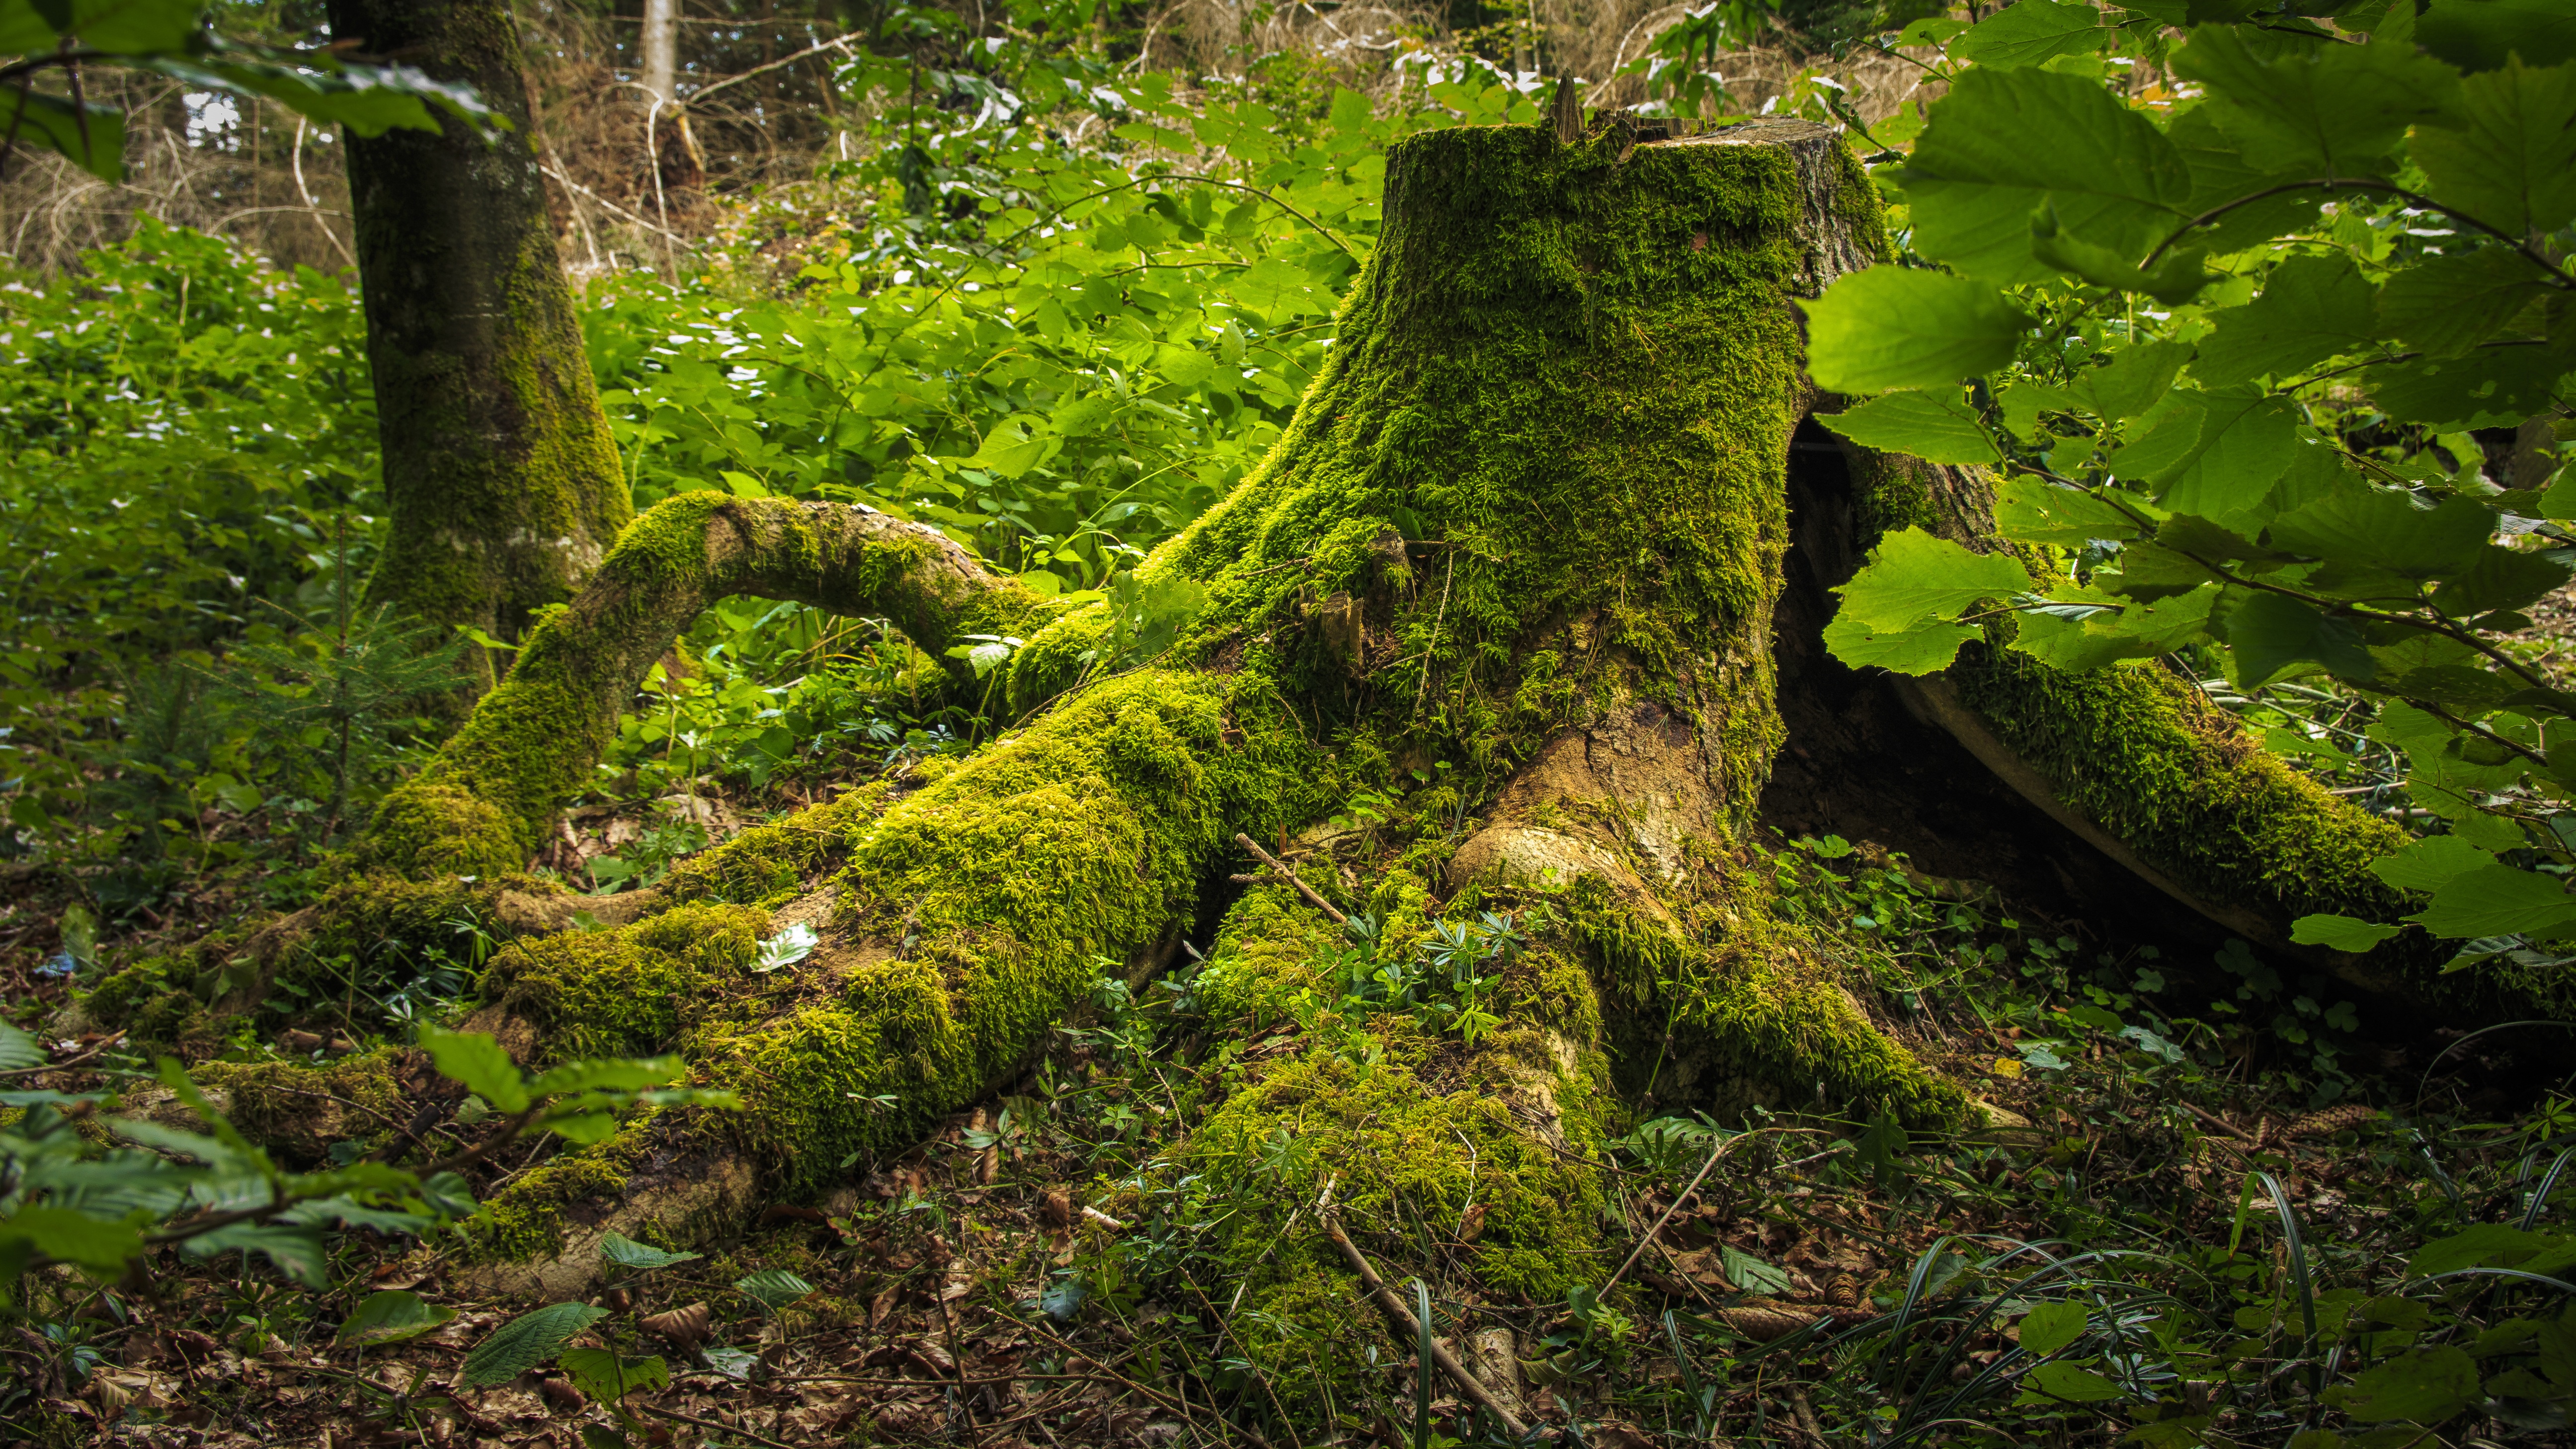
x,y
1006,890
1268,952
631,991
1406,1163
2147,757
525,1220
768,863
299,1110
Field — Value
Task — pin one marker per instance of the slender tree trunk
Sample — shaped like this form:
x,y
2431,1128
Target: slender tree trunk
x,y
504,486
659,50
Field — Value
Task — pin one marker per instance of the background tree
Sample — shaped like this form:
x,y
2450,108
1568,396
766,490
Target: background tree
x,y
503,485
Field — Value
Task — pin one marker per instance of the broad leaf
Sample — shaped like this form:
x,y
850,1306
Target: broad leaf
x,y
625,1252
2385,529
2270,635
1921,649
2005,141
19,1051
2340,933
525,1342
2511,159
2484,34
298,1251
2049,1327
2328,110
2034,510
100,1246
606,1075
2032,33
91,136
774,1288
2136,379
2423,1387
2445,305
477,1061
2310,309
389,1317
1913,577
2429,863
2498,900
2490,387
1936,426
1892,327
608,1376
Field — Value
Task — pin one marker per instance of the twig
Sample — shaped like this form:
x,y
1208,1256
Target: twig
x,y
1290,876
1402,1317
1669,1209
68,1062
2221,1123
719,1426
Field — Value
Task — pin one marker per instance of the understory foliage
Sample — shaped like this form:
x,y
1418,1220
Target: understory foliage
x,y
2265,313
2272,333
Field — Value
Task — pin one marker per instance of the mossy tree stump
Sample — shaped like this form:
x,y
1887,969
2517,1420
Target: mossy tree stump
x,y
1529,535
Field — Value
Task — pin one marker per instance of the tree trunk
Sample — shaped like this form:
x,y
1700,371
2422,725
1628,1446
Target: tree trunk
x,y
659,50
1524,556
502,482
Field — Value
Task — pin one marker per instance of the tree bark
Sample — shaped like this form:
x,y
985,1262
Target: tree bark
x,y
502,482
1525,557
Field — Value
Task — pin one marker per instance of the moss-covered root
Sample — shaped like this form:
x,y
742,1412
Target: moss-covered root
x,y
482,807
1478,1168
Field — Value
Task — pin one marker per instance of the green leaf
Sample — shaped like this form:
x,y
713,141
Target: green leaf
x,y
1913,577
1936,426
476,1060
2322,109
625,1252
22,30
2511,160
2051,1326
2034,510
2485,1245
2479,35
2310,309
2491,387
1892,327
2426,864
525,1342
1922,649
2340,933
774,1288
389,1317
2269,635
2033,32
298,1252
91,136
2136,379
2446,305
2076,1385
612,1074
609,1377
2382,528
2498,900
2177,277
2425,1387
2003,142
101,1246
19,1051
132,27
2502,578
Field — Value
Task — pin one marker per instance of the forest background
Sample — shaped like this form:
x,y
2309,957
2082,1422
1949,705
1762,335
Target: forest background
x,y
851,272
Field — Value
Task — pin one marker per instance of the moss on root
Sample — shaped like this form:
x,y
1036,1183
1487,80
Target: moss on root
x,y
631,991
525,1221
766,864
300,1110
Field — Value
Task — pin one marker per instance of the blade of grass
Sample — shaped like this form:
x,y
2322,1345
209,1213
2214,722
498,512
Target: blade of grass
x,y
2548,1184
2299,1281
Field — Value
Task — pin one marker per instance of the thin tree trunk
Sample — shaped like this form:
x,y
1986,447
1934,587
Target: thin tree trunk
x,y
502,482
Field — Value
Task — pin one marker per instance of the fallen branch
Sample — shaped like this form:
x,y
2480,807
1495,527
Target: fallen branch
x,y
1669,1209
677,1417
1401,1316
1280,869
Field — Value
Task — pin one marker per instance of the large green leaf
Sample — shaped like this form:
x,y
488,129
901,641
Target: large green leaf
x,y
2511,160
2135,379
2502,578
2340,933
2426,864
525,1342
1892,327
625,1252
2219,454
2051,1326
2311,308
608,1376
774,1288
611,1074
2426,1386
1936,426
2269,635
474,1059
389,1317
2224,183
127,27
2329,110
2033,510
2493,386
19,1051
2003,142
2483,34
91,136
2031,33
2382,528
2445,305
1924,648
2498,900
100,1245
1913,577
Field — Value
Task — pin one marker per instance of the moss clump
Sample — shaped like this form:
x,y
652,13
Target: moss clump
x,y
768,863
1271,948
1002,893
1406,1163
2147,757
631,991
300,1110
525,1220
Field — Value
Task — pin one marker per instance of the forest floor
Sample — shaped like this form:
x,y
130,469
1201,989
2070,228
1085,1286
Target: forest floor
x,y
1014,1280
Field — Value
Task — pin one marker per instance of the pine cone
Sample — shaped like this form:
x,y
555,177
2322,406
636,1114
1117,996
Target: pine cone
x,y
2330,1121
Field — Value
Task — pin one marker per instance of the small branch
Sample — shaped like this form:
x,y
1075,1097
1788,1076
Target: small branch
x,y
1402,1317
675,1416
1671,1208
1290,876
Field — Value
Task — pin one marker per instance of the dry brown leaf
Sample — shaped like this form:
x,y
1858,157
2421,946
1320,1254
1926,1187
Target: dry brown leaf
x,y
684,1327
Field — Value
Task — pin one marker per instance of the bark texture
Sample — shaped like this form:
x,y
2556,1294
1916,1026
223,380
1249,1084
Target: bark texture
x,y
502,482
